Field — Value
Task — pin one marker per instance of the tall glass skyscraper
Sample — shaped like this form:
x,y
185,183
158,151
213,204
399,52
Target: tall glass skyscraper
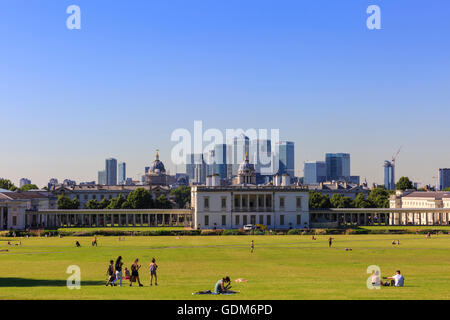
x,y
102,177
122,178
444,178
111,171
260,154
315,172
220,160
240,147
286,158
389,175
338,166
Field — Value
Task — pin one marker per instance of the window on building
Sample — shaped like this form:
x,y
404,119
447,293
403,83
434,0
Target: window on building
x,y
299,203
86,197
268,220
282,219
206,220
14,220
281,202
244,219
94,197
261,219
102,196
237,204
110,197
253,219
224,220
206,203
299,219
224,203
236,220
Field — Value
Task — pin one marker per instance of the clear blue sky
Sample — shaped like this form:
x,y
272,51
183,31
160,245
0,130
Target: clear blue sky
x,y
137,70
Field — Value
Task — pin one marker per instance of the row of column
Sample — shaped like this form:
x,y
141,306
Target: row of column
x,y
420,218
264,208
391,218
103,220
362,219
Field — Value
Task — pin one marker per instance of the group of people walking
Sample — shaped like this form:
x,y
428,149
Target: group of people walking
x,y
115,273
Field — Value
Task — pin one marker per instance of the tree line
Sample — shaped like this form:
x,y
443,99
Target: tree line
x,y
377,198
137,199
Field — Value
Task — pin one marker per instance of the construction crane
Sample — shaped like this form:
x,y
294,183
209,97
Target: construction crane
x,y
395,156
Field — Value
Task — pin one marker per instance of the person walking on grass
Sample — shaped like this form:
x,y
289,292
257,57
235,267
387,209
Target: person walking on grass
x,y
110,273
252,246
94,242
330,242
153,266
135,273
118,267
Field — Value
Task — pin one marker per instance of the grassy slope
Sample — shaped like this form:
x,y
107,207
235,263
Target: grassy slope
x,y
282,267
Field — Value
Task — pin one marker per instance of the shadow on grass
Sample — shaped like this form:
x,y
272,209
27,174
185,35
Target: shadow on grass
x,y
23,282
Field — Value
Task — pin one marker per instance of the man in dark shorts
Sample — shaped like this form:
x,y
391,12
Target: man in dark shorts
x,y
252,247
110,273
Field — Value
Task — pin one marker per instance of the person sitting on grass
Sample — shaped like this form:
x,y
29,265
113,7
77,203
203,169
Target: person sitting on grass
x,y
77,244
223,286
397,280
127,274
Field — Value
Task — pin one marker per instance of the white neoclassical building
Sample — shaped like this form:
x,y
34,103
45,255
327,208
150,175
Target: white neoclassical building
x,y
277,206
426,200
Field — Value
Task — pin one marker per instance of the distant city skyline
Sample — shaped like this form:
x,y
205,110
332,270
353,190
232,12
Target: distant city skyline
x,y
138,70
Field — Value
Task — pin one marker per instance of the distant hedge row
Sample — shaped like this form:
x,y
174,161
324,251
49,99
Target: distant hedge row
x,y
218,232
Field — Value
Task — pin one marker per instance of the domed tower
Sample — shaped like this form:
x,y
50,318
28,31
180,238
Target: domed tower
x,y
246,172
156,174
157,166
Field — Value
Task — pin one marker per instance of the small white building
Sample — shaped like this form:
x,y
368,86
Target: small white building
x,y
278,206
13,206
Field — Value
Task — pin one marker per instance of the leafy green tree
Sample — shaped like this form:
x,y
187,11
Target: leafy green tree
x,y
404,183
163,203
318,200
92,204
29,187
447,189
126,205
104,203
140,199
182,195
66,203
7,185
340,201
117,202
379,198
360,201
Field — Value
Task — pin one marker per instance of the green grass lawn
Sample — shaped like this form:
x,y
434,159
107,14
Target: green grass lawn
x,y
140,229
282,267
409,228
